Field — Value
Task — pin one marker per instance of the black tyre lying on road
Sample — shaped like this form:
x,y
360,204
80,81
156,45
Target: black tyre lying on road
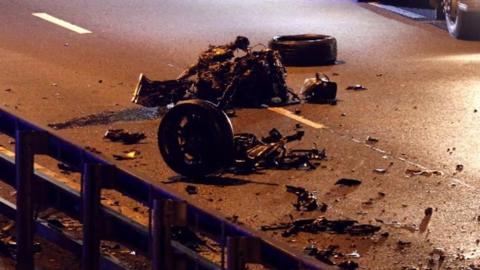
x,y
463,18
305,50
195,138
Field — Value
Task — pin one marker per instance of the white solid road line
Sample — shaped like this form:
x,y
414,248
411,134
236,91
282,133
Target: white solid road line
x,y
62,23
296,117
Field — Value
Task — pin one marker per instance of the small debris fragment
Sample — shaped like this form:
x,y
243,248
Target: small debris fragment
x,y
100,81
125,137
348,265
354,254
371,139
8,90
429,211
128,155
92,149
380,170
459,167
191,190
356,87
55,223
306,200
348,182
66,169
187,238
417,172
403,244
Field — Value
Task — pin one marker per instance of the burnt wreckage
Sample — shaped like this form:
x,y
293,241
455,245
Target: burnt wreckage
x,y
196,137
227,75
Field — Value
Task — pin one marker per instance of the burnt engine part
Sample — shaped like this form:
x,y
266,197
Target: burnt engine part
x,y
305,50
223,76
319,90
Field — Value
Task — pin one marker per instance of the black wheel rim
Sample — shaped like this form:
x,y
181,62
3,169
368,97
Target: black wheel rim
x,y
195,139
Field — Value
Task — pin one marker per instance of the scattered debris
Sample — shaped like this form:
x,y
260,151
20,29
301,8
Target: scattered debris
x,y
417,172
93,150
306,200
322,224
323,255
224,77
127,155
348,182
348,265
66,169
429,211
326,255
125,137
191,190
252,154
187,238
319,90
356,87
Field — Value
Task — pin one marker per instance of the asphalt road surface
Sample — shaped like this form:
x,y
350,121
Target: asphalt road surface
x,y
421,102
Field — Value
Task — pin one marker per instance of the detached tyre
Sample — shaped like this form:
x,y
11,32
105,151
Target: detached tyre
x,y
462,22
195,138
305,50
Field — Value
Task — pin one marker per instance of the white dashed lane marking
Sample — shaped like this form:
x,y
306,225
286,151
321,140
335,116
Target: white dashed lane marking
x,y
62,23
296,117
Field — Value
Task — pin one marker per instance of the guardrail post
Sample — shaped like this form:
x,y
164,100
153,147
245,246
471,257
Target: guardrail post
x,y
165,214
242,250
27,144
93,177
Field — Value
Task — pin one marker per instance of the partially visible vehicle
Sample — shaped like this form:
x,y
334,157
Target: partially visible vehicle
x,y
461,16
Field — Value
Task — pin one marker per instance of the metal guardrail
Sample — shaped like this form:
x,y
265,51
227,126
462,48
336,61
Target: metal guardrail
x,y
167,209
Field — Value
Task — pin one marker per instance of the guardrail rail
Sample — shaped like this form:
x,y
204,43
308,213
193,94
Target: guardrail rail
x,y
239,245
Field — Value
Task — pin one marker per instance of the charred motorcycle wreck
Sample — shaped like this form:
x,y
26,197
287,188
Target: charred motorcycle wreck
x,y
195,136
